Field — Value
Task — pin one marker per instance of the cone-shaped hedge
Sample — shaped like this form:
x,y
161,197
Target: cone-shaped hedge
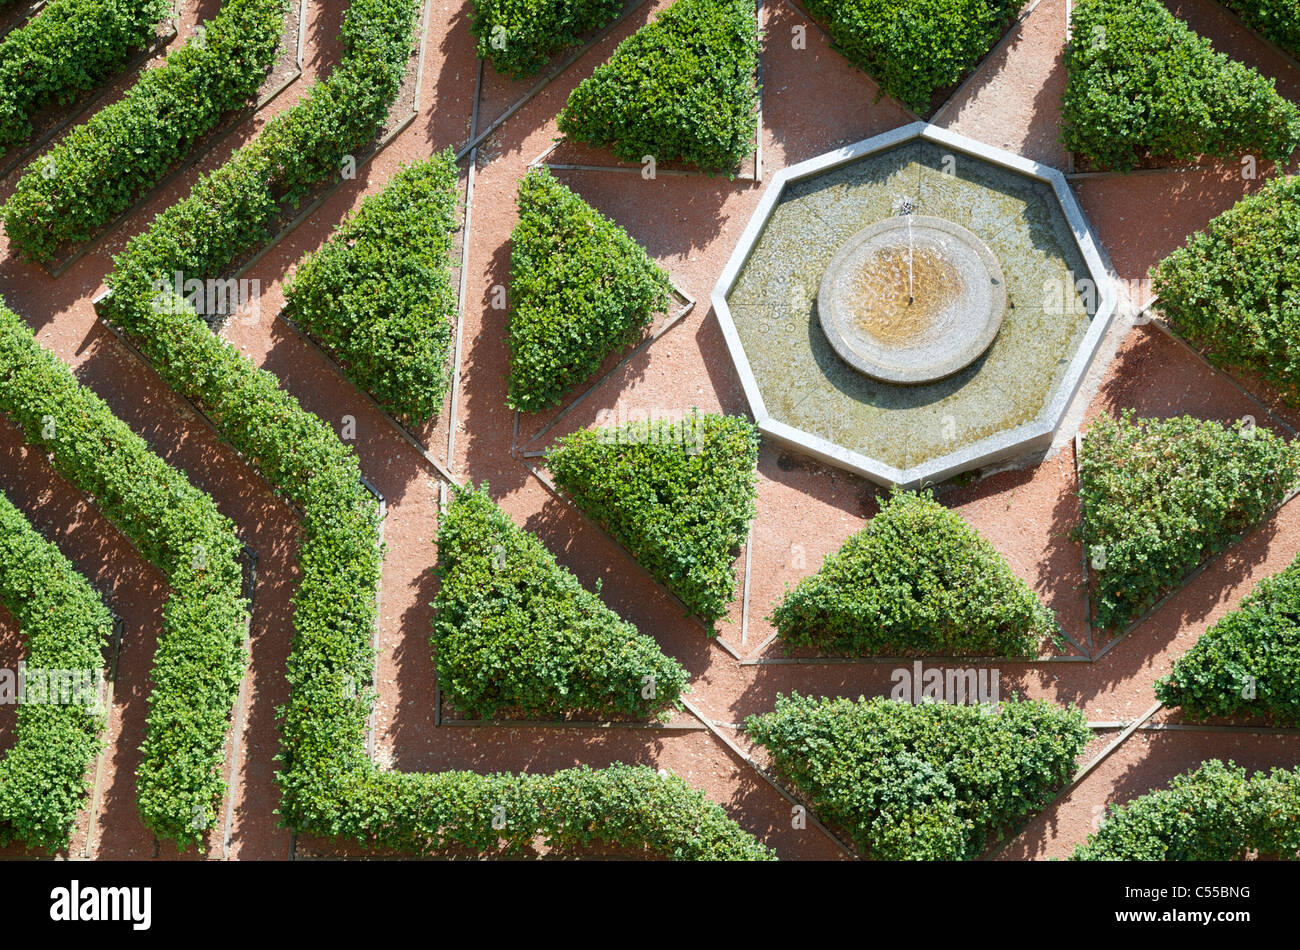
x,y
678,495
681,88
929,782
916,580
580,288
516,632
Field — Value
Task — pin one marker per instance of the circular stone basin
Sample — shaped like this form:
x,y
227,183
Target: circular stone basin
x,y
912,299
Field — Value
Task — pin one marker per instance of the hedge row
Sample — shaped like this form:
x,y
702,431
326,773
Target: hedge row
x,y
918,579
1215,813
519,37
931,782
378,295
200,656
580,289
1234,290
517,633
1278,20
1162,495
915,48
681,88
1141,83
1248,663
105,165
329,786
43,776
69,46
678,495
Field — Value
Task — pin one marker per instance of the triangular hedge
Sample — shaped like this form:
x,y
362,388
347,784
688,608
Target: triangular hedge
x,y
516,632
678,495
918,579
580,288
929,782
681,88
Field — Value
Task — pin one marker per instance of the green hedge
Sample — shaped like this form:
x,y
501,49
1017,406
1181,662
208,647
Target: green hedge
x,y
681,88
1248,663
915,49
1234,290
200,656
519,37
1278,20
930,782
678,495
105,165
918,579
580,288
1215,813
1162,495
43,777
517,633
1141,82
69,46
378,295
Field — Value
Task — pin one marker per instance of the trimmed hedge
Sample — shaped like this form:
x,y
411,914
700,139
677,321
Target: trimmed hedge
x,y
580,289
69,46
915,48
200,656
1277,20
1140,83
1248,663
106,164
1215,813
678,495
378,295
43,777
681,88
930,782
1234,290
1162,495
918,579
516,632
519,37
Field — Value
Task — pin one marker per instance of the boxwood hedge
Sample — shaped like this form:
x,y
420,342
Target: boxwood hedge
x,y
580,288
519,37
200,656
679,495
43,777
681,88
106,164
1215,813
378,296
1141,83
1278,20
917,579
1162,495
930,782
1234,289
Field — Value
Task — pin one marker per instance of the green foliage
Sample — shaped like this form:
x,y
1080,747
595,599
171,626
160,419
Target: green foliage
x,y
43,776
1162,495
105,165
521,36
580,289
516,632
915,48
1249,662
929,782
1278,20
681,88
200,658
678,495
1215,813
378,295
1234,290
69,46
1142,83
917,579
